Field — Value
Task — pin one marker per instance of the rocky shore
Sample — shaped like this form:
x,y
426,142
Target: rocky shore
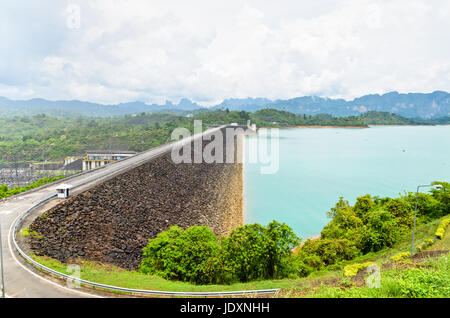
x,y
113,221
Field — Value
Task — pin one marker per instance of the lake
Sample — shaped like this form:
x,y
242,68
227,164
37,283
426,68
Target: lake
x,y
318,165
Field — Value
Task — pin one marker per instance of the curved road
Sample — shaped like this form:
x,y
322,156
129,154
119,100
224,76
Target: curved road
x,y
20,280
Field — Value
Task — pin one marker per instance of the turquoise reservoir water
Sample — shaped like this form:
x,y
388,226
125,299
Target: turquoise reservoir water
x,y
318,165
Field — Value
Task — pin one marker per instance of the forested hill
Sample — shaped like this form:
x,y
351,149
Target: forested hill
x,y
42,137
278,118
411,105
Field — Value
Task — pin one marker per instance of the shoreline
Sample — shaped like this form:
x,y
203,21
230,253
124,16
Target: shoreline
x,y
400,125
356,127
318,126
368,126
315,126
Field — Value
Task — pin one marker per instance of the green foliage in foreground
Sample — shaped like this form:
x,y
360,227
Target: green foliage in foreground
x,y
184,255
400,256
115,276
370,225
353,269
5,192
430,280
415,284
254,252
195,255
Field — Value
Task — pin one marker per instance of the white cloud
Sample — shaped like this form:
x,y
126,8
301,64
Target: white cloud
x,y
208,51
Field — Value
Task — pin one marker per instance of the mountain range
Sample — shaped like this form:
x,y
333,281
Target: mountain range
x,y
410,105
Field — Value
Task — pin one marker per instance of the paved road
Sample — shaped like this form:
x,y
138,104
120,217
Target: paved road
x,y
20,280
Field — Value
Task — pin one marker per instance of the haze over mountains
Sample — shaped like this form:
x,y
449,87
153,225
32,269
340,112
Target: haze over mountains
x,y
411,105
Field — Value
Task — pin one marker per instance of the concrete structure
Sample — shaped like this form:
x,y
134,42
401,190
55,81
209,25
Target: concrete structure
x,y
62,190
69,160
99,158
251,126
74,166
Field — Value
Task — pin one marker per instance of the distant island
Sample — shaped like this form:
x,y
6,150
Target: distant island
x,y
270,117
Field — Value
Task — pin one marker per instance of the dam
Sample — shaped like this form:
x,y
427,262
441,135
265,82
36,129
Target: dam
x,y
112,221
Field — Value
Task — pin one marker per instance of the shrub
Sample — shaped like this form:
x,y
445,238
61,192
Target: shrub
x,y
280,241
428,206
381,231
363,205
185,255
345,283
426,243
423,283
400,256
402,210
245,252
443,196
442,228
310,261
195,255
254,252
345,224
325,252
352,270
301,268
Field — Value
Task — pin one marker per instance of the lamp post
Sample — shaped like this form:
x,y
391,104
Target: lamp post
x,y
437,186
1,259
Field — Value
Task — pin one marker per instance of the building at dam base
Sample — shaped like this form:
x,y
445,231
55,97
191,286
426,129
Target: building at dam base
x,y
98,158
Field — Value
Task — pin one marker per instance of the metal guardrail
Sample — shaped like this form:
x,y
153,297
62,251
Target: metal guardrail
x,y
16,230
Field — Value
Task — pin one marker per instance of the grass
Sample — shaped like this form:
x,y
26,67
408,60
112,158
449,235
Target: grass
x,y
25,232
5,192
423,232
112,275
443,244
427,279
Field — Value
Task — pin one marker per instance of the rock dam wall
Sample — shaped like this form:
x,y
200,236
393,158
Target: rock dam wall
x,y
113,221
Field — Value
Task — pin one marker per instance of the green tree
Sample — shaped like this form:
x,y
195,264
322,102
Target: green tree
x,y
381,231
324,252
181,254
363,205
257,252
280,241
344,224
245,252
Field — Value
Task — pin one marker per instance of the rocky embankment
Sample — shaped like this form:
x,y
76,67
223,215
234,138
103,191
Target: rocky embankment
x,y
113,221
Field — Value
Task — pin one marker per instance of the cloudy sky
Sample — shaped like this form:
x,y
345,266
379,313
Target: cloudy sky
x,y
112,51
